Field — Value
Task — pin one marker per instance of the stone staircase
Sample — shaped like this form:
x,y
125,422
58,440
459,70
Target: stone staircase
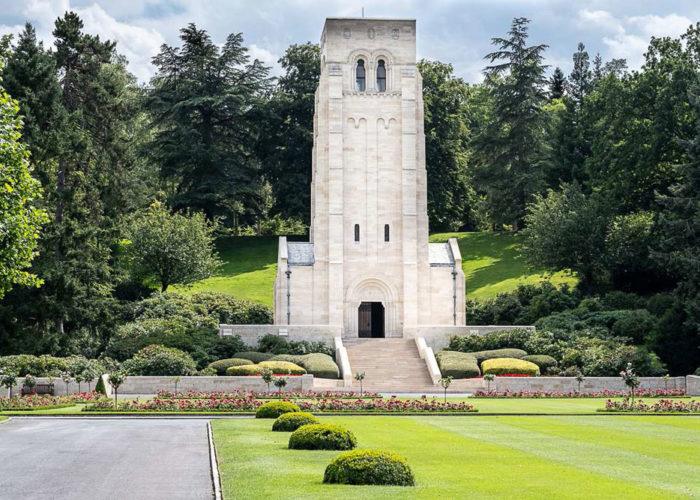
x,y
389,365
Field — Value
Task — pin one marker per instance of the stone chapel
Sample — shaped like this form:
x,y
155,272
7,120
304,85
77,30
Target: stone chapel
x,y
368,269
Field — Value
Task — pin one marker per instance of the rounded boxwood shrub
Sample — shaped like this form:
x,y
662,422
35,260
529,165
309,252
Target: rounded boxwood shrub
x,y
255,357
322,437
224,364
543,361
457,364
317,364
244,370
369,467
282,368
498,353
288,422
509,366
276,408
160,360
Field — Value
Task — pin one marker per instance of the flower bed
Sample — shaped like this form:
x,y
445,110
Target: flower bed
x,y
249,405
662,406
643,393
267,395
45,402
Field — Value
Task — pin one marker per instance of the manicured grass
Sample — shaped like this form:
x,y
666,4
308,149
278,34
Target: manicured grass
x,y
491,263
483,457
3,418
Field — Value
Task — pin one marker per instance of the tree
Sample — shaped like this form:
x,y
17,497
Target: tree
x,y
280,382
360,376
204,106
116,379
566,230
451,199
267,377
20,215
286,141
513,145
172,248
557,84
445,382
580,78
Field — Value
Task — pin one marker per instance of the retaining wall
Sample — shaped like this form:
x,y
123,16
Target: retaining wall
x,y
151,385
566,384
692,383
250,334
438,337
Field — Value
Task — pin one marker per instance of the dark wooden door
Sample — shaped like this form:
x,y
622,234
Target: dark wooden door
x,y
364,320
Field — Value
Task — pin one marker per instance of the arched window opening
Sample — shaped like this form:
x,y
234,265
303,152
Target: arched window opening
x,y
360,75
357,232
386,232
381,76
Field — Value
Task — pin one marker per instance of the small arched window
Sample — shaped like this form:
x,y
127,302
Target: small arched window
x,y
381,76
357,232
386,232
360,75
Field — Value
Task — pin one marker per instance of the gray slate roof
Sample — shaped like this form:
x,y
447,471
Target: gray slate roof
x,y
300,254
440,254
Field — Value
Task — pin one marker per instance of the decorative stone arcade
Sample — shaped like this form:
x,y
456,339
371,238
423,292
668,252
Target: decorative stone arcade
x,y
368,269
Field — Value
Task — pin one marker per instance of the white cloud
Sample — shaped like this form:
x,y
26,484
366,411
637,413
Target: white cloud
x,y
628,37
266,57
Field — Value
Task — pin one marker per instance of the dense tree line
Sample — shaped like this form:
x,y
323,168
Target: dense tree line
x,y
598,169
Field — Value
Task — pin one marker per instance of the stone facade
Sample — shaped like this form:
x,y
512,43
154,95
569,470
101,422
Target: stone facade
x,y
368,268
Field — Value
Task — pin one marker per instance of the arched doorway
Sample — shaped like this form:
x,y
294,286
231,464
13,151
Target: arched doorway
x,y
370,320
370,309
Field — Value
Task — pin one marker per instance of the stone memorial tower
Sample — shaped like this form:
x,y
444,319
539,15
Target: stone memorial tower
x,y
368,269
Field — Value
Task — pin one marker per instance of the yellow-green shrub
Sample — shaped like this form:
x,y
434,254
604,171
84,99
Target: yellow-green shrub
x,y
282,368
509,366
244,370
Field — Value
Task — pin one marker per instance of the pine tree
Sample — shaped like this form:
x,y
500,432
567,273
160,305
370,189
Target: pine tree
x,y
557,84
580,78
512,146
204,107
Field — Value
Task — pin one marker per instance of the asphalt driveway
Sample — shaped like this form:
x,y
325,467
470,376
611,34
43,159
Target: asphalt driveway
x,y
79,459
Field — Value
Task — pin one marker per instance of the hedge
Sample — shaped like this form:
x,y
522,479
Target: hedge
x,y
317,364
322,437
369,467
255,357
223,364
276,408
282,368
509,366
543,361
457,364
159,360
243,370
498,353
288,422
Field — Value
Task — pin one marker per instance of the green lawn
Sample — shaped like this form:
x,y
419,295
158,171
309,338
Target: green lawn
x,y
491,264
478,457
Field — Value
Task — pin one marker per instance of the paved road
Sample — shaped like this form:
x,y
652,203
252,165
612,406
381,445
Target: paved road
x,y
80,459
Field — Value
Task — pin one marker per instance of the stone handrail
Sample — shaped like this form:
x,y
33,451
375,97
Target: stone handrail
x,y
341,357
426,353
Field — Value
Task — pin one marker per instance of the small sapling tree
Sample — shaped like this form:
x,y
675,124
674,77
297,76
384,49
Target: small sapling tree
x,y
8,381
489,377
267,377
176,380
360,376
29,382
116,379
630,379
280,382
580,378
445,383
66,377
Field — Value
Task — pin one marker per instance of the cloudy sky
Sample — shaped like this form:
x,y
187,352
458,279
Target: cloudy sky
x,y
455,31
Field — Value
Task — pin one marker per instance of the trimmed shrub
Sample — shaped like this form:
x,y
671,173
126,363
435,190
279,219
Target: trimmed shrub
x,y
369,467
159,360
457,364
543,361
288,422
280,345
322,437
255,357
100,386
276,408
282,368
317,364
498,353
243,370
222,365
509,366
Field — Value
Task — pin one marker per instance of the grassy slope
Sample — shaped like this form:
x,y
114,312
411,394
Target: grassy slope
x,y
485,457
491,265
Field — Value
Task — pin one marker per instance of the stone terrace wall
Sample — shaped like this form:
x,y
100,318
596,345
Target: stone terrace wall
x,y
566,384
693,385
151,385
250,334
438,337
